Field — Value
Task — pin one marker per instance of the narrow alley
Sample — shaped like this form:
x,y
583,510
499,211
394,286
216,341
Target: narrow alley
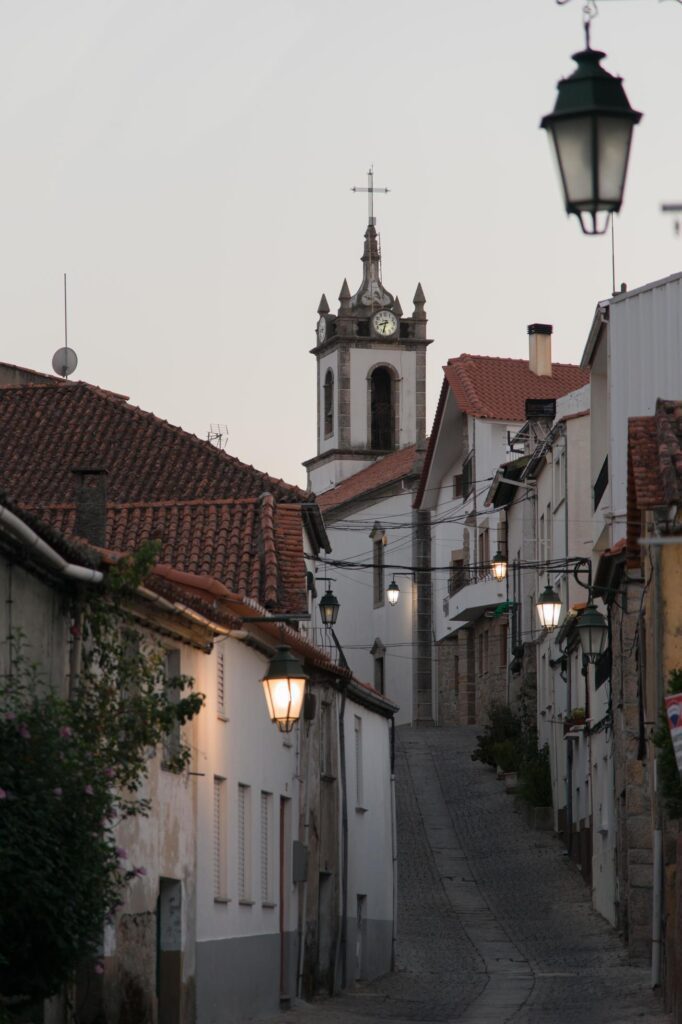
x,y
494,921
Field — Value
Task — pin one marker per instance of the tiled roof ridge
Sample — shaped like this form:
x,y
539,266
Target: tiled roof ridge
x,y
519,360
58,383
166,503
348,488
270,568
144,415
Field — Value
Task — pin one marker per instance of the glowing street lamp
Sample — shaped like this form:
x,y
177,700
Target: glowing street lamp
x,y
329,608
499,566
549,608
393,592
284,688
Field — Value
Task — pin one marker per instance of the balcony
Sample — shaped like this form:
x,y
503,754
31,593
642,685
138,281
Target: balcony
x,y
475,594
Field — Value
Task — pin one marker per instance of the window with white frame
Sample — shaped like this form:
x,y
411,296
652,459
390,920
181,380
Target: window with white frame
x,y
220,683
219,839
359,780
559,474
326,762
266,845
244,843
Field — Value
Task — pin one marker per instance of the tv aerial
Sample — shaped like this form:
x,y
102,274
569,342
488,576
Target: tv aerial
x,y
65,360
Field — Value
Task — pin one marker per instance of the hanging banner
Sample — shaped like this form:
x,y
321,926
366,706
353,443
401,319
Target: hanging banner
x,y
673,709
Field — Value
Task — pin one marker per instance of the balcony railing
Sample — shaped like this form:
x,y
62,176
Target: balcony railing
x,y
462,576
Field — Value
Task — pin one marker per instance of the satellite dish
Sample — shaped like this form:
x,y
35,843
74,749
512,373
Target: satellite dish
x,y
64,361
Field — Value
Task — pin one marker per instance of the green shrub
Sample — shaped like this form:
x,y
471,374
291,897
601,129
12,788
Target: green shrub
x,y
503,725
508,754
535,777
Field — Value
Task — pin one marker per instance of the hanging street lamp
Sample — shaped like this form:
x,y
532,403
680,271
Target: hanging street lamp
x,y
329,608
284,688
549,608
593,632
591,129
499,566
393,592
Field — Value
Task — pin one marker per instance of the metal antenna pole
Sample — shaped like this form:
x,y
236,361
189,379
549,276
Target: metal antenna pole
x,y
66,329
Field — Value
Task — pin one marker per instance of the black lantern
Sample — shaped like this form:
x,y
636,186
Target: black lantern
x,y
393,592
499,566
593,632
329,608
591,128
284,687
549,608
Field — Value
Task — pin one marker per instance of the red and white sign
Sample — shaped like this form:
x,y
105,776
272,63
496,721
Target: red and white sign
x,y
673,708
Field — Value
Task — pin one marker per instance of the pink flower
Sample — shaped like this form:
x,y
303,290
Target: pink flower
x,y
58,792
10,716
99,968
3,793
66,732
109,772
24,731
121,853
89,790
140,871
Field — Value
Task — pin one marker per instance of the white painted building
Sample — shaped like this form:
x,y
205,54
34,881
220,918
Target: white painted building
x,y
483,404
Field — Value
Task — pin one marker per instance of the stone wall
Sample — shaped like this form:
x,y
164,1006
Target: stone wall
x,y
472,672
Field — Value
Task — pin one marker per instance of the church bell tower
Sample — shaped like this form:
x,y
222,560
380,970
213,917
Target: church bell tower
x,y
371,373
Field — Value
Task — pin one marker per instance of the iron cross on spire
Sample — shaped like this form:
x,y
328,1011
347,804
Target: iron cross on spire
x,y
370,190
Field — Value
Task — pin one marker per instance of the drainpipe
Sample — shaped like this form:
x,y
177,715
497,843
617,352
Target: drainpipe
x,y
344,833
394,849
306,841
656,916
24,532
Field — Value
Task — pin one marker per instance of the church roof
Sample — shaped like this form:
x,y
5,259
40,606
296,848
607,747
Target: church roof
x,y
496,388
47,430
253,547
384,471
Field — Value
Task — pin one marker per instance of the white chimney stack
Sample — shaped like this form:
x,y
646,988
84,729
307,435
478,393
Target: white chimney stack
x,y
540,349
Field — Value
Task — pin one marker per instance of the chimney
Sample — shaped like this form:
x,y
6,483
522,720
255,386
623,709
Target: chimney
x,y
91,504
540,349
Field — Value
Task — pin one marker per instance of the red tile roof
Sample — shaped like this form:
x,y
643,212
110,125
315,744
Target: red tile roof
x,y
46,430
252,547
496,388
384,471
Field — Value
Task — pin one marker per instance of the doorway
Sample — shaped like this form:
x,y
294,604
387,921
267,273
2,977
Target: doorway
x,y
169,950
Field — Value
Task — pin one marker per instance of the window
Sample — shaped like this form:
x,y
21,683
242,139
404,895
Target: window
x,y
219,839
559,475
266,837
468,475
244,843
503,646
328,403
172,741
381,409
548,531
484,552
379,674
359,781
326,763
457,485
378,541
542,554
220,683
457,578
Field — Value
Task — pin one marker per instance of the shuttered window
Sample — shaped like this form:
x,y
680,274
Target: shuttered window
x,y
359,782
266,847
220,683
219,839
244,843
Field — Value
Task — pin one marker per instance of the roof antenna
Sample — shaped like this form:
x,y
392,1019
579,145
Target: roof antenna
x,y
65,360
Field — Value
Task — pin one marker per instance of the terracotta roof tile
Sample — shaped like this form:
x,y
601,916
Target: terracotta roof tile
x,y
253,547
496,388
53,428
384,471
493,387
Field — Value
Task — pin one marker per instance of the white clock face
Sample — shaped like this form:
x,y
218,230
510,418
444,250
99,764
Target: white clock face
x,y
385,323
321,329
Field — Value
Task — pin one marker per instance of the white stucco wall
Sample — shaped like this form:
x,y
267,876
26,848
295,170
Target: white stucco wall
x,y
360,623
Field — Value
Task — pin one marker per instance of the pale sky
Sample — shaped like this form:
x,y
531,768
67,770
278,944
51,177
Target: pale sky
x,y
188,163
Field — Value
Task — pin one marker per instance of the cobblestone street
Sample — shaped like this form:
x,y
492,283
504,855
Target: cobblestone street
x,y
495,923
